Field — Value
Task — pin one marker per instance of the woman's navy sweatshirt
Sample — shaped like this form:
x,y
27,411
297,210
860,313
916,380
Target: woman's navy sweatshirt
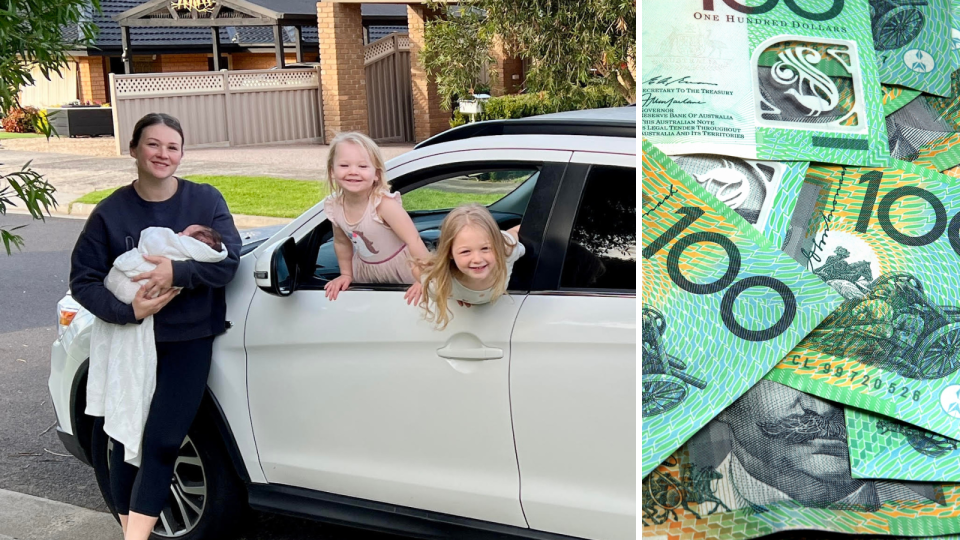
x,y
114,227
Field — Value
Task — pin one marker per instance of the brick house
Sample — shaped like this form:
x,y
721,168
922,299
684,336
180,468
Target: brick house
x,y
185,49
165,36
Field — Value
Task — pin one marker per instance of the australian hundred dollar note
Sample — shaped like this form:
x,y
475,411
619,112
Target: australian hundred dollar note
x,y
775,460
926,130
895,97
887,239
788,80
761,192
913,43
721,305
884,447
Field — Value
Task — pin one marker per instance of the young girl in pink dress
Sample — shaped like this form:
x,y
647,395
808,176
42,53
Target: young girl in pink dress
x,y
373,236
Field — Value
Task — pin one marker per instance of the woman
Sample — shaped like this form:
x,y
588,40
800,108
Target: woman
x,y
185,321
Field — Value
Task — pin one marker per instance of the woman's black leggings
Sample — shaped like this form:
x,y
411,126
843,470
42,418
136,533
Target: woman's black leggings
x,y
182,369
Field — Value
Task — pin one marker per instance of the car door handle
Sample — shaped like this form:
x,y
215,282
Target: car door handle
x,y
470,353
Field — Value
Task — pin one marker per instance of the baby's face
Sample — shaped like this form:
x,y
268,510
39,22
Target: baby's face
x,y
201,233
192,229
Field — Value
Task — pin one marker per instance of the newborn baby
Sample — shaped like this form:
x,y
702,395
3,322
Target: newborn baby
x,y
162,242
123,358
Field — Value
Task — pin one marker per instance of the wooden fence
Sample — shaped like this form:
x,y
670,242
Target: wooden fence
x,y
225,108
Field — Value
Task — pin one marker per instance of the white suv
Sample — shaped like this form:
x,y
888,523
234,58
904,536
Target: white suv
x,y
518,419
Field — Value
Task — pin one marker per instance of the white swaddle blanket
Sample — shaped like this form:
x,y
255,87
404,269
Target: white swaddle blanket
x,y
123,357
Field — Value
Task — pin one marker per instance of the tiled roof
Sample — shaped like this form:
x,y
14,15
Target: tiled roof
x,y
383,10
377,32
109,35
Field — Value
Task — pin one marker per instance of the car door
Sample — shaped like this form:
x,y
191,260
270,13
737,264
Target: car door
x,y
573,365
362,397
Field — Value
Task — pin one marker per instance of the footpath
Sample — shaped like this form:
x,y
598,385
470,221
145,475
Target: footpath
x,y
76,174
25,517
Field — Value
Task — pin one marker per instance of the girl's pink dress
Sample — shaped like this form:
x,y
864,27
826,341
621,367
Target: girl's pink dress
x,y
379,255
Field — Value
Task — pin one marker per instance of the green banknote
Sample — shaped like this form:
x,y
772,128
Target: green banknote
x,y
884,447
926,131
913,43
887,239
761,192
721,305
955,32
895,97
787,80
776,460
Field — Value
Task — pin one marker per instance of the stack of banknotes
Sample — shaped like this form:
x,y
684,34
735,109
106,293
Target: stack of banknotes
x,y
801,268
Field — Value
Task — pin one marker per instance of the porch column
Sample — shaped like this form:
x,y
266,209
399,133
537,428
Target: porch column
x,y
342,79
127,53
428,118
298,47
278,45
215,35
509,78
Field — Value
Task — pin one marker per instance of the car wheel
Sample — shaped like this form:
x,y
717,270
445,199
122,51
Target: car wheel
x,y
206,499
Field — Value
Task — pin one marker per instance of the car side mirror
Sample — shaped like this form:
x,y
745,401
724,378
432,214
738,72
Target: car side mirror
x,y
276,271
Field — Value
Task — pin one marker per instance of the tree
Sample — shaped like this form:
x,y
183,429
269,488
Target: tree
x,y
457,51
567,43
32,34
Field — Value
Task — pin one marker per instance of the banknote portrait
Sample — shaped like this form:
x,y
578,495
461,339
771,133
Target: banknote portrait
x,y
779,446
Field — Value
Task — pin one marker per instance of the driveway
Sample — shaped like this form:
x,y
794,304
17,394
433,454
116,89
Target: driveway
x,y
82,171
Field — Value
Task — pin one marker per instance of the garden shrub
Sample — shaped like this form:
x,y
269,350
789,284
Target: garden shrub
x,y
21,120
523,105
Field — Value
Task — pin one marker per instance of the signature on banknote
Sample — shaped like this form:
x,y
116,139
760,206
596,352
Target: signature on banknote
x,y
650,99
665,198
667,81
827,216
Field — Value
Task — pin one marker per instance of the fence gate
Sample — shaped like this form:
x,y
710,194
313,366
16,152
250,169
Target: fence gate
x,y
224,108
389,95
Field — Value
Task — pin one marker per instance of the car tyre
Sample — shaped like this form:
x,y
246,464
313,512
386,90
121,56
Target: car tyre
x,y
207,499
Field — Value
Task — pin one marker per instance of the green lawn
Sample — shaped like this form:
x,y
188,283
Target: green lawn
x,y
280,197
5,135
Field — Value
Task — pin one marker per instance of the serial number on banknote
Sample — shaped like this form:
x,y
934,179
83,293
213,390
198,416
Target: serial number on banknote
x,y
852,373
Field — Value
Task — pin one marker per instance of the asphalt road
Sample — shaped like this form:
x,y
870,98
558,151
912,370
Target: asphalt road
x,y
32,459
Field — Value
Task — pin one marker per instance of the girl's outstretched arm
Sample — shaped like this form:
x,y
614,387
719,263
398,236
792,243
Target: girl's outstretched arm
x,y
399,221
515,233
344,250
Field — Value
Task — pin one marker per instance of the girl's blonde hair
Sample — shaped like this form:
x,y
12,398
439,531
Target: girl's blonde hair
x,y
381,184
439,270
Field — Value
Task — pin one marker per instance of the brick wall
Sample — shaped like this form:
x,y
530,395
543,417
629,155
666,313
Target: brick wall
x,y
507,66
93,79
342,76
183,62
263,60
428,118
147,64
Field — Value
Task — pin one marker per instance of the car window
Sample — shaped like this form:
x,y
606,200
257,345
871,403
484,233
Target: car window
x,y
504,191
484,187
602,251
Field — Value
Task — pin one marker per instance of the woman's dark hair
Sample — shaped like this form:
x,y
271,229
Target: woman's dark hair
x,y
151,120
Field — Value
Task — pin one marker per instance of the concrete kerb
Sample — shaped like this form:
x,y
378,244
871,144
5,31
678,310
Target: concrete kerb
x,y
25,517
82,210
